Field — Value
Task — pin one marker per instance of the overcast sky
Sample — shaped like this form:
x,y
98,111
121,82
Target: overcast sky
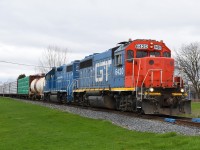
x,y
27,27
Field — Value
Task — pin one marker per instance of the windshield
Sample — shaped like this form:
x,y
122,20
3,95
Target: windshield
x,y
141,54
154,54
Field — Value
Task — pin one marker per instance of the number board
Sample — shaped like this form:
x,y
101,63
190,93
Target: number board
x,y
157,47
141,46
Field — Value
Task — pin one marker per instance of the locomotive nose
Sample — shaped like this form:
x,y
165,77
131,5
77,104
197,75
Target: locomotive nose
x,y
158,72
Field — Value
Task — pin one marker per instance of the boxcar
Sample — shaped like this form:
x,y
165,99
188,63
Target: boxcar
x,y
9,89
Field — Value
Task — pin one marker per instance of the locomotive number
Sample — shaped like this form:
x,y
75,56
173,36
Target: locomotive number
x,y
119,71
157,47
141,46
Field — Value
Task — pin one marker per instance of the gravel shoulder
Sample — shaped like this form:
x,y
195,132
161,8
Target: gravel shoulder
x,y
130,123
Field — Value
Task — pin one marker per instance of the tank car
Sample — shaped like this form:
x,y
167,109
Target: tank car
x,y
36,87
134,76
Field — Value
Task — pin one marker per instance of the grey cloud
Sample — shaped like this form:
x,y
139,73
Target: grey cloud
x,y
88,26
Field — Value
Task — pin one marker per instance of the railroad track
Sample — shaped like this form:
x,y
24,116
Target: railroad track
x,y
184,121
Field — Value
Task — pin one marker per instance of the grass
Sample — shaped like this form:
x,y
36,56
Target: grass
x,y
27,126
195,107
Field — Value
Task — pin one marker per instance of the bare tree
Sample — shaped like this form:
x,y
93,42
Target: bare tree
x,y
53,56
188,58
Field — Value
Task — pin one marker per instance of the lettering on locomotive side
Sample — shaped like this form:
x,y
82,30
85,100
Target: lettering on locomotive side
x,y
59,79
99,74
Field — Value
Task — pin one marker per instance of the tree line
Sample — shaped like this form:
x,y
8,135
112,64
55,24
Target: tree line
x,y
188,61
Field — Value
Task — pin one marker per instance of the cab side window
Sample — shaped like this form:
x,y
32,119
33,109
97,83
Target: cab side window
x,y
48,76
118,59
130,55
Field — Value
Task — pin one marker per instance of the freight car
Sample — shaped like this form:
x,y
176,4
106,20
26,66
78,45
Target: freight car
x,y
9,89
133,76
31,87
1,90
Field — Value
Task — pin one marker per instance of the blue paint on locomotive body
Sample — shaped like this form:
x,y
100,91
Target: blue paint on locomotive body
x,y
104,70
72,75
86,72
118,79
62,79
50,80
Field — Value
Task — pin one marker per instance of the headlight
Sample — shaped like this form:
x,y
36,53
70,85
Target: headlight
x,y
151,89
182,90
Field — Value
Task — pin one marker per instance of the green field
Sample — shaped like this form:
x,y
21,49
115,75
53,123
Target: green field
x,y
26,126
195,110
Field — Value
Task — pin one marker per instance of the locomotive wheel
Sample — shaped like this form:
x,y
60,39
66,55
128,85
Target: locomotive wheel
x,y
45,97
48,97
59,98
63,98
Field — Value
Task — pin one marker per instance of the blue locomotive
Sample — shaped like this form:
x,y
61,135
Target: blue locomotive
x,y
60,82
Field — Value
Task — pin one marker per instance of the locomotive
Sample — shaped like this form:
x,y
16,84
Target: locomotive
x,y
136,76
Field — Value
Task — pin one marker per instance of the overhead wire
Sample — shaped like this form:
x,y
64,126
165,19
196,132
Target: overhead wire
x,y
21,64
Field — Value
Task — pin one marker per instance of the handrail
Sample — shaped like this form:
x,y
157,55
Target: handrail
x,y
138,79
71,85
133,79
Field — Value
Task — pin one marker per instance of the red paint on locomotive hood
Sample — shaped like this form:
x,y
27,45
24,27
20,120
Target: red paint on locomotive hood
x,y
156,69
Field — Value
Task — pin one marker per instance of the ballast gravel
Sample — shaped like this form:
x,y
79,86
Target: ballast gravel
x,y
131,123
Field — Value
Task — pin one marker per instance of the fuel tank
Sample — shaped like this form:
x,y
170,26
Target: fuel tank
x,y
102,101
